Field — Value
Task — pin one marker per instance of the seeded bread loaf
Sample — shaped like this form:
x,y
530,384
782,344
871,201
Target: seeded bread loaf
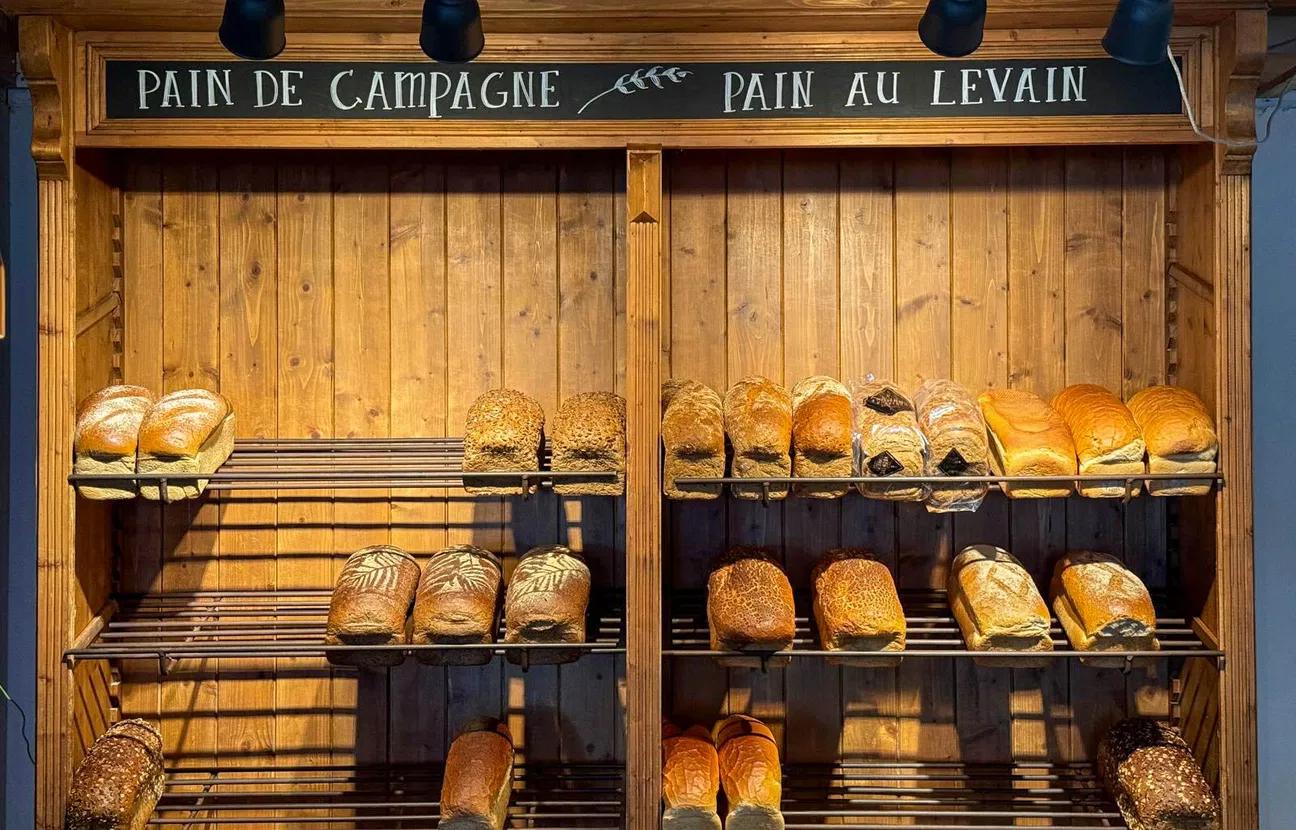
x,y
456,601
888,441
857,609
998,607
690,779
951,422
822,436
750,773
118,782
750,607
503,432
546,602
758,420
589,436
1028,438
1153,775
186,432
1180,436
1107,440
693,438
1102,606
370,604
107,436
478,778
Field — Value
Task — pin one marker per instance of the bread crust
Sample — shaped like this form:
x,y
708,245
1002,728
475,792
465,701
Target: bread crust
x,y
690,779
1180,436
1151,772
478,777
758,421
589,436
750,607
1106,437
951,422
457,596
107,438
546,602
693,438
370,604
118,782
822,435
856,608
186,432
997,606
504,431
1028,438
750,773
890,443
1102,606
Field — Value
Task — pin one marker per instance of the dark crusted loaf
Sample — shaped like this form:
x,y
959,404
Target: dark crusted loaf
x,y
1154,777
118,782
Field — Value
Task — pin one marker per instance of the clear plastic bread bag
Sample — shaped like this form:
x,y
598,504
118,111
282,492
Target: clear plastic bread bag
x,y
888,442
955,430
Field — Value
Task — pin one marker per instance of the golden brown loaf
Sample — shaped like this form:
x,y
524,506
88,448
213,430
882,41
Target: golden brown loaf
x,y
1157,783
118,782
890,443
186,432
1102,606
456,601
693,438
690,779
370,603
758,420
750,606
997,606
107,435
856,608
503,431
1028,438
951,421
1107,440
822,435
750,774
1180,436
546,602
478,778
589,436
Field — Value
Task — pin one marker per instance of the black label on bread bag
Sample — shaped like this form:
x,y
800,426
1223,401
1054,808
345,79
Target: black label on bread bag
x,y
888,402
954,464
883,465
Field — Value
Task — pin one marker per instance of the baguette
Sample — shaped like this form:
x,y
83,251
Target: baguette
x,y
546,602
478,778
750,607
504,431
1180,436
1156,781
955,431
106,440
1028,438
369,606
589,435
857,608
998,607
822,436
758,419
1107,440
889,442
1102,606
693,439
690,779
750,773
455,604
118,782
186,432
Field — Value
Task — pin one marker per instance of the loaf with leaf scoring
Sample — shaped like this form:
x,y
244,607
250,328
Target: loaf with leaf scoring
x,y
478,778
370,604
750,607
589,435
455,605
822,436
758,420
185,433
107,436
693,439
504,431
750,773
690,779
546,602
118,782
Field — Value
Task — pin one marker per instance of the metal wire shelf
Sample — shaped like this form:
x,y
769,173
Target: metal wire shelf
x,y
545,796
931,631
353,464
264,624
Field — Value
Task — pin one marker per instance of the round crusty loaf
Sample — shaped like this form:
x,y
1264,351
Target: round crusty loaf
x,y
119,781
1157,783
749,603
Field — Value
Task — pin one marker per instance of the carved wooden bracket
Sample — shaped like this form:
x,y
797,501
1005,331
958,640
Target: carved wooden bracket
x,y
1242,56
44,56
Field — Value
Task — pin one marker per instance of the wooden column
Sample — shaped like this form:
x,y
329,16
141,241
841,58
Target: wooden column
x,y
643,488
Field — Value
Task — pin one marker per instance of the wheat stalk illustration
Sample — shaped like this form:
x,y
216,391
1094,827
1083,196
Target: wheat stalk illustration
x,y
639,79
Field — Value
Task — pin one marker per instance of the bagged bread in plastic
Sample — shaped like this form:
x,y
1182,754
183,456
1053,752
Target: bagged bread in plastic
x,y
955,430
887,440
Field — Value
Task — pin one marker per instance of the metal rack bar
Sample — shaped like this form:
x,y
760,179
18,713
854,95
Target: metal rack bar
x,y
1074,479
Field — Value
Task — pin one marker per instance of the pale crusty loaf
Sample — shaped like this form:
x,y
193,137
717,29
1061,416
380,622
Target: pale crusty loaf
x,y
997,606
1028,438
589,435
107,436
186,432
478,778
822,436
758,420
370,603
690,779
456,601
889,441
750,774
951,421
1102,606
118,782
857,609
1151,772
546,602
503,432
1107,440
1180,437
693,438
750,607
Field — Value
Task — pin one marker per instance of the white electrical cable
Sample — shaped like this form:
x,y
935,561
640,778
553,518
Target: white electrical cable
x,y
23,730
1227,142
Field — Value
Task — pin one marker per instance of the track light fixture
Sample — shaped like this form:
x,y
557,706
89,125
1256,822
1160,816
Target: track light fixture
x,y
1140,31
953,28
253,29
452,30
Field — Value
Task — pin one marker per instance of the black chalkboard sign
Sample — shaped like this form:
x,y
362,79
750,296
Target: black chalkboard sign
x,y
629,92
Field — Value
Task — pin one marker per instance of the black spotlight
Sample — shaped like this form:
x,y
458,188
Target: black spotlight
x,y
1140,31
253,29
452,30
953,27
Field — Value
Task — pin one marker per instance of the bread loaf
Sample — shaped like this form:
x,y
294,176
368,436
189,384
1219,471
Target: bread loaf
x,y
478,778
589,436
822,436
1156,781
690,779
693,438
951,421
118,782
456,601
888,441
1102,606
750,607
758,419
546,602
1180,436
107,435
1028,438
857,609
503,432
1107,440
750,773
370,603
997,606
186,432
